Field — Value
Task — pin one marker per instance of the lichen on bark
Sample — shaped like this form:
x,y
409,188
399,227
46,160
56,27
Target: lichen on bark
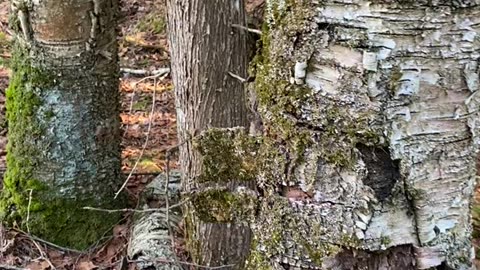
x,y
364,111
229,170
63,119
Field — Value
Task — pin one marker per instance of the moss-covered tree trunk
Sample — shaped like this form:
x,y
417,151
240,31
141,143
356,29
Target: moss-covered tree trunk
x,y
63,120
370,112
205,48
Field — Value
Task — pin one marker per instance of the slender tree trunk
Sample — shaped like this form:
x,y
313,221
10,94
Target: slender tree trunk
x,y
205,48
63,120
370,110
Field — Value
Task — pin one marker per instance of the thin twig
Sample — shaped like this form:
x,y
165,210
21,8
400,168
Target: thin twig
x,y
130,109
235,76
10,267
110,211
153,76
143,44
48,243
184,263
106,235
146,139
2,170
40,250
143,72
28,208
251,30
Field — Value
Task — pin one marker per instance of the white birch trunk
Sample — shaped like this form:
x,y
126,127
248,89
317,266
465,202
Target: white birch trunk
x,y
371,115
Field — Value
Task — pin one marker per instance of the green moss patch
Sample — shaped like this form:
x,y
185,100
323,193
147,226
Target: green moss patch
x,y
227,155
26,192
23,100
223,206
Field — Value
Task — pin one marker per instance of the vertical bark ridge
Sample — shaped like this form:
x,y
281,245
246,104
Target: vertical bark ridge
x,y
205,48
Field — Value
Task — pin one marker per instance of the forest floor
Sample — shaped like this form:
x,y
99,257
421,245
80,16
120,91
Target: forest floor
x,y
149,126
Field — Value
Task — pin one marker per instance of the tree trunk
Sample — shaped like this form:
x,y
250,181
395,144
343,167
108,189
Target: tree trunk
x,y
63,119
204,49
370,111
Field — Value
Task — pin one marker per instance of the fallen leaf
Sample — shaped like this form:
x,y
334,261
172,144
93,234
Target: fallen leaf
x,y
38,265
86,266
120,230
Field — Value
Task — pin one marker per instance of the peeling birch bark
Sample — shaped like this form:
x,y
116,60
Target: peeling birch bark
x,y
371,113
150,241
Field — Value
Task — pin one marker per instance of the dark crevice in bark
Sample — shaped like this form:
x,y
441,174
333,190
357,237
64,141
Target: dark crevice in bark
x,y
443,266
383,172
395,258
411,209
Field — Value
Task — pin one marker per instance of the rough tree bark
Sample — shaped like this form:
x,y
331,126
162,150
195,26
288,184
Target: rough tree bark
x,y
150,239
63,120
370,110
204,49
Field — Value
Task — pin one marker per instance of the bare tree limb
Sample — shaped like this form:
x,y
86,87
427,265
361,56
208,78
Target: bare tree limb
x,y
143,72
251,30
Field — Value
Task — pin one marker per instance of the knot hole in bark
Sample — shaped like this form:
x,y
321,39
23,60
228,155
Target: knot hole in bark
x,y
383,172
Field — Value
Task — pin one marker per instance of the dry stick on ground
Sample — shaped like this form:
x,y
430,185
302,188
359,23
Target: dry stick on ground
x,y
146,139
140,43
143,72
48,243
105,236
9,267
43,255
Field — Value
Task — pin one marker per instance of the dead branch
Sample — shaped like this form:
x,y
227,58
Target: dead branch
x,y
136,210
251,30
140,43
143,72
235,76
40,250
10,267
32,237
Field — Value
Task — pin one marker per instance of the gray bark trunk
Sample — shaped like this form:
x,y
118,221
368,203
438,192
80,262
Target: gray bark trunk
x,y
205,48
371,124
63,118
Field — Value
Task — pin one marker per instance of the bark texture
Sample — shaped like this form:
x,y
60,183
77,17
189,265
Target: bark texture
x,y
205,48
370,111
150,241
63,118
